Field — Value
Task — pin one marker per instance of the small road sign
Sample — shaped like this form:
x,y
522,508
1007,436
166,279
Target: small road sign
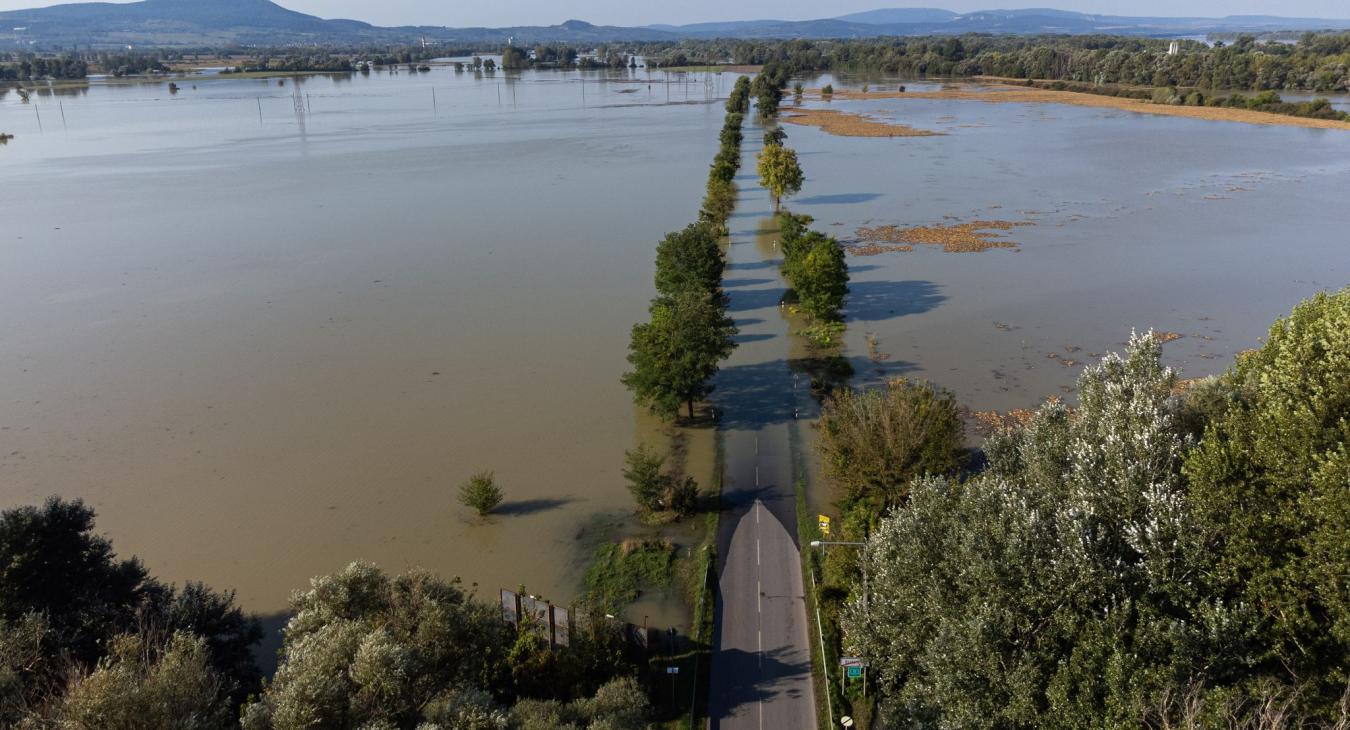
x,y
824,524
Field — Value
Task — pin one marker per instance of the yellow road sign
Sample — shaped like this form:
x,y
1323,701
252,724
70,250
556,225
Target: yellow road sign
x,y
824,524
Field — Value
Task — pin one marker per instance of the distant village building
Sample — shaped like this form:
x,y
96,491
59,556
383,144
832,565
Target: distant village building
x,y
1174,49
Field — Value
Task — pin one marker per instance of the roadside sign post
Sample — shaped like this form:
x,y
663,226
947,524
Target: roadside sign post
x,y
824,522
854,668
673,672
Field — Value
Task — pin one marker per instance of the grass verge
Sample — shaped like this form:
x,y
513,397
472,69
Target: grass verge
x,y
700,580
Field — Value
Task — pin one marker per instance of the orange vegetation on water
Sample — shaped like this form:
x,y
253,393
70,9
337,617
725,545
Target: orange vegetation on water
x,y
988,422
994,91
953,238
847,124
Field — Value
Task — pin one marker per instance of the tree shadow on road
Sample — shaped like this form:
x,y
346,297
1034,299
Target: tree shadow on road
x,y
741,678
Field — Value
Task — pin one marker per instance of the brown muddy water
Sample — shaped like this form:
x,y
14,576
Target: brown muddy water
x,y
1207,229
263,348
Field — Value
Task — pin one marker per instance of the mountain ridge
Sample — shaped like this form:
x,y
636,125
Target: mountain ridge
x,y
263,22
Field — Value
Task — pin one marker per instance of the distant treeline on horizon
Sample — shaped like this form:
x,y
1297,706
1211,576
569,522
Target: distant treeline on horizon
x,y
1316,62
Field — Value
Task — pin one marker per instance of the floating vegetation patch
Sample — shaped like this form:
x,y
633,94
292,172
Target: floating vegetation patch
x,y
1164,337
988,422
845,124
953,238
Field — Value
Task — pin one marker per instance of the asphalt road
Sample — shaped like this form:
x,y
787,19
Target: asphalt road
x,y
761,669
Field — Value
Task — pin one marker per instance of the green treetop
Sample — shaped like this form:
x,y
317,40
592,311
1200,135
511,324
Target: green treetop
x,y
779,172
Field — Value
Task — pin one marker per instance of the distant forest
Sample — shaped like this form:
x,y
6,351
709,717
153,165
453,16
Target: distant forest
x,y
1316,62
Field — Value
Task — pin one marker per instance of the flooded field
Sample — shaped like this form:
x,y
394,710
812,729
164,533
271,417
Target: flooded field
x,y
263,348
1210,230
267,329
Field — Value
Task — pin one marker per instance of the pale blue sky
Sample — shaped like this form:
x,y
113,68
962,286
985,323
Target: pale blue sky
x,y
635,12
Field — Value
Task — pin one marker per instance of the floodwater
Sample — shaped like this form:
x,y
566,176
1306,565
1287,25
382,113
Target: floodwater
x,y
266,330
1210,230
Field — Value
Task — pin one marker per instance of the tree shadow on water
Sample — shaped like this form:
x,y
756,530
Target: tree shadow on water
x,y
265,652
751,265
531,506
733,283
875,301
748,300
838,199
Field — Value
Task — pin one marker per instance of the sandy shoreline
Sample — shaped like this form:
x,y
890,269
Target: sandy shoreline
x,y
994,92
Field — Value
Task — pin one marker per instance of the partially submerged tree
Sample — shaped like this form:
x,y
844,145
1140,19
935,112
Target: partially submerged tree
x,y
654,489
819,275
689,260
676,353
481,493
779,172
642,471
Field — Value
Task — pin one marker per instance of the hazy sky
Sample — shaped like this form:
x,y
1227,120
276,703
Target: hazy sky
x,y
636,12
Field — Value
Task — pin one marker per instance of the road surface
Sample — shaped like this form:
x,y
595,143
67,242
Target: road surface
x,y
761,669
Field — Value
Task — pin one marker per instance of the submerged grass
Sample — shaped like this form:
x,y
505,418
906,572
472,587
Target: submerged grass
x,y
621,572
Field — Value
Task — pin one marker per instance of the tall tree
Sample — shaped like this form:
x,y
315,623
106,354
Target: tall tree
x,y
820,276
52,563
689,260
779,172
677,352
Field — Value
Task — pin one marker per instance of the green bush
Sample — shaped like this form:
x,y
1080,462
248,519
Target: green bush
x,y
481,493
1108,569
873,442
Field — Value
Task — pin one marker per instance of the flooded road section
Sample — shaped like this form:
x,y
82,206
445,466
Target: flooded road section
x,y
1205,230
263,349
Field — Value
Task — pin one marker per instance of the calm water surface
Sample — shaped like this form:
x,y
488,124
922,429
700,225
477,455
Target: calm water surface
x,y
1211,230
262,349
265,330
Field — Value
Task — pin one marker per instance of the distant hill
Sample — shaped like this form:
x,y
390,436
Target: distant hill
x,y
891,16
258,22
262,22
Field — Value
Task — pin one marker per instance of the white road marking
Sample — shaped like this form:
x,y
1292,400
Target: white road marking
x,y
757,551
759,596
756,475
